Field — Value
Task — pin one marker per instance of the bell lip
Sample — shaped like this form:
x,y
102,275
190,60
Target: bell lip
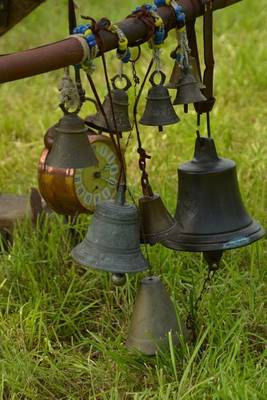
x,y
175,121
154,238
188,242
89,254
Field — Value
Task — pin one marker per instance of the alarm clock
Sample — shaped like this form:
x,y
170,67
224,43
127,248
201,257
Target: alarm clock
x,y
74,191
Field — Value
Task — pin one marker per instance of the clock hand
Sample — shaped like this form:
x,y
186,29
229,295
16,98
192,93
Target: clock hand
x,y
110,181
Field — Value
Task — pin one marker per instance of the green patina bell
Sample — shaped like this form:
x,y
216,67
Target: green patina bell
x,y
112,242
153,318
70,147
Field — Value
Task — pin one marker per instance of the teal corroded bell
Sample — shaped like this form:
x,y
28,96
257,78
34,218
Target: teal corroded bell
x,y
112,242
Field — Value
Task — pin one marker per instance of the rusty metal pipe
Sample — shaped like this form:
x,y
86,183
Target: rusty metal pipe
x,y
70,51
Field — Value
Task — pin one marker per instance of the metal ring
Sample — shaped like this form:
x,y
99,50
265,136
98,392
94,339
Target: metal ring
x,y
120,77
152,78
137,57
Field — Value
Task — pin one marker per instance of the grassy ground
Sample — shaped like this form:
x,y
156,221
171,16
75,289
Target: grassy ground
x,y
63,327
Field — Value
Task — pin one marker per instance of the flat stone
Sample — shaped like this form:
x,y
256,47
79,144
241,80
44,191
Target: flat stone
x,y
13,208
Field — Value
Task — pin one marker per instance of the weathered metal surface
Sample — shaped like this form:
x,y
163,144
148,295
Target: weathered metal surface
x,y
159,110
153,318
210,213
71,147
13,11
69,51
188,90
112,242
156,221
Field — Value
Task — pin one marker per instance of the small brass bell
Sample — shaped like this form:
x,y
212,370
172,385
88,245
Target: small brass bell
x,y
159,110
120,103
156,221
70,148
195,72
176,76
188,90
112,242
210,213
153,318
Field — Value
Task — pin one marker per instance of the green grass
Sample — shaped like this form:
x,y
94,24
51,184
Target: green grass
x,y
62,326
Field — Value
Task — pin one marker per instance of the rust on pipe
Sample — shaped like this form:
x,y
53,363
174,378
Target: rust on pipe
x,y
70,51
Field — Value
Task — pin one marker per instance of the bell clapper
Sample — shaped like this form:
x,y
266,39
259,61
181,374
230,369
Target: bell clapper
x,y
118,279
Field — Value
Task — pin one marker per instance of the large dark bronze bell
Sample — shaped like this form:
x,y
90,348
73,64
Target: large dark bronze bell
x,y
156,221
120,103
70,147
112,242
153,318
159,110
188,90
210,213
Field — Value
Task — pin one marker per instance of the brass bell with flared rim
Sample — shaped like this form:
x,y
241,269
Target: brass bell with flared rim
x,y
70,147
112,242
210,213
120,103
153,318
159,110
188,90
156,221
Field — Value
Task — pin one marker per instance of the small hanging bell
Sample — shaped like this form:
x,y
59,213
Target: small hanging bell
x,y
156,221
70,147
159,110
153,318
188,90
120,104
112,242
176,77
195,72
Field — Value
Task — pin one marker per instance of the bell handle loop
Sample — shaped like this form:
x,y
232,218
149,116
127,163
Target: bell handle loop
x,y
154,74
67,112
121,77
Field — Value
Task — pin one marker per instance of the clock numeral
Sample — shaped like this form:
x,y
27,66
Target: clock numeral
x,y
114,169
97,199
106,193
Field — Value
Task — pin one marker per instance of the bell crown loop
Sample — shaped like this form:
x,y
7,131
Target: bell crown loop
x,y
120,78
71,123
162,78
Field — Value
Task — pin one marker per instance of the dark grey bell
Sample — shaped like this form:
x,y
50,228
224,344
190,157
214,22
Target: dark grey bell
x,y
176,76
153,318
210,213
121,112
195,72
112,242
71,147
156,221
159,110
188,90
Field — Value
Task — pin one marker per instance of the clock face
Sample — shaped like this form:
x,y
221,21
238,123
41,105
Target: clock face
x,y
97,184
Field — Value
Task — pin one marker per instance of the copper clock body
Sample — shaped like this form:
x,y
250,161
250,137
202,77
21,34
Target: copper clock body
x,y
74,191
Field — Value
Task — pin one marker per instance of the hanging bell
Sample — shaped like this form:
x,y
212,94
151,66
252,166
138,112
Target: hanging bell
x,y
112,242
159,110
120,104
210,214
176,77
188,90
153,318
156,221
70,148
195,72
